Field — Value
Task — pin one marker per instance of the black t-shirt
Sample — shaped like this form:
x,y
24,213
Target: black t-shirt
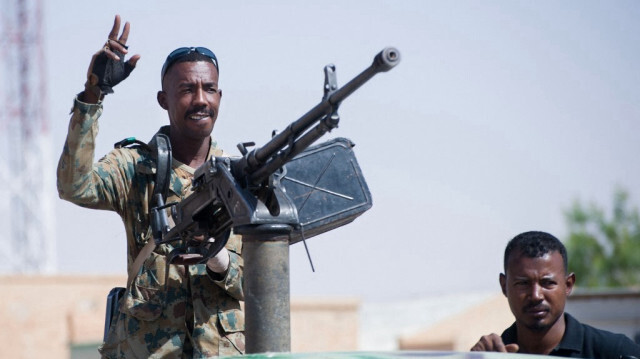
x,y
584,341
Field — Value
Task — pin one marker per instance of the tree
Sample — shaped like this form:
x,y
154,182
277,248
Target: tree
x,y
604,252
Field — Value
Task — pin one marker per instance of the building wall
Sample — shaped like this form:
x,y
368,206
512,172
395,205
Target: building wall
x,y
320,325
46,316
617,311
460,331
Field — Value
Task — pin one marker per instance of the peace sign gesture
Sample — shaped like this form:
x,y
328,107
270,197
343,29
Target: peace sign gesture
x,y
108,68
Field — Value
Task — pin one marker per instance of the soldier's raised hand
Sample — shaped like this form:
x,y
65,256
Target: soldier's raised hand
x,y
108,68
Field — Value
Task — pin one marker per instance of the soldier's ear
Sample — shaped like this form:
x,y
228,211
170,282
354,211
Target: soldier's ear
x,y
162,99
570,281
503,283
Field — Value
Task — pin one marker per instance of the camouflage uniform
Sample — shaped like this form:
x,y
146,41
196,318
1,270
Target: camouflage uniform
x,y
191,314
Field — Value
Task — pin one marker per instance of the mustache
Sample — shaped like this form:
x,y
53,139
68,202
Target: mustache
x,y
196,110
536,307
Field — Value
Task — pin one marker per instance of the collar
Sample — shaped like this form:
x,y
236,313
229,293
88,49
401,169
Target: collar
x,y
510,335
176,185
214,151
572,339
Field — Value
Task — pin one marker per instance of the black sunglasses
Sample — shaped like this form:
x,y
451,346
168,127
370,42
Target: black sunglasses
x,y
184,51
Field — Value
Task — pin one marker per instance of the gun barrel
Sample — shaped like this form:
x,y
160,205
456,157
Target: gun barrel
x,y
387,59
382,62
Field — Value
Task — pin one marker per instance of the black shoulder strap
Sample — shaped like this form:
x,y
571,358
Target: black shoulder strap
x,y
163,167
162,146
160,143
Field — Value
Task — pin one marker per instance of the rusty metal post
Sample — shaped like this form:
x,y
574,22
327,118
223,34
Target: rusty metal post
x,y
266,287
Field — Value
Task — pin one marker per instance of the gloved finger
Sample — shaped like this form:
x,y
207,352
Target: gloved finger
x,y
114,45
115,29
128,68
133,61
131,64
112,53
125,34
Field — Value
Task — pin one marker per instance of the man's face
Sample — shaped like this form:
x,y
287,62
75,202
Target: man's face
x,y
191,97
537,289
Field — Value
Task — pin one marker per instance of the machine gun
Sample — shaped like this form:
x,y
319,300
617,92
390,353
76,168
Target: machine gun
x,y
256,189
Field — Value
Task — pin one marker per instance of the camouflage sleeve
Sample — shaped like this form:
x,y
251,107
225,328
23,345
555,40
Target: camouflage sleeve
x,y
232,282
80,181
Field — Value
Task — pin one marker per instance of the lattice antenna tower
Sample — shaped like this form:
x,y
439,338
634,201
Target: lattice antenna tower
x,y
27,180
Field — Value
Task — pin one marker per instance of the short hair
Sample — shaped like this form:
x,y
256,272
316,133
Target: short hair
x,y
535,244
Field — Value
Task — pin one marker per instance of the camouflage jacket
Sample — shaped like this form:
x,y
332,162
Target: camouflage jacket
x,y
188,314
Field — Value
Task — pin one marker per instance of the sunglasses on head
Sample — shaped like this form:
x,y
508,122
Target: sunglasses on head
x,y
184,51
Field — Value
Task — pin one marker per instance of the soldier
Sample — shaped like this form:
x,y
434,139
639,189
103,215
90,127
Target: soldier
x,y
536,282
194,311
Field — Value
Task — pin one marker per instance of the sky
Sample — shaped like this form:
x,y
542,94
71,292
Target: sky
x,y
499,116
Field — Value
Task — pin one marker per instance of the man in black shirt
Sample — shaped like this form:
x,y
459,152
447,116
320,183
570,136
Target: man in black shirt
x,y
536,282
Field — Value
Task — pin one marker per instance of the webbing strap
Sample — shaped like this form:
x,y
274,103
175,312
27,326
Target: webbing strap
x,y
161,144
163,165
137,264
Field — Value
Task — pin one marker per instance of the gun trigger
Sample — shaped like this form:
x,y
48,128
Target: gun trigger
x,y
175,215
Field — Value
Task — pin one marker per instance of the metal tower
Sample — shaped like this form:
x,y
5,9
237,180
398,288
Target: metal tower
x,y
27,181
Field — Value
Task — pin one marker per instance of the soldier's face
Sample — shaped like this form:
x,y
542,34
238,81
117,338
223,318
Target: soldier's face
x,y
192,98
537,289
